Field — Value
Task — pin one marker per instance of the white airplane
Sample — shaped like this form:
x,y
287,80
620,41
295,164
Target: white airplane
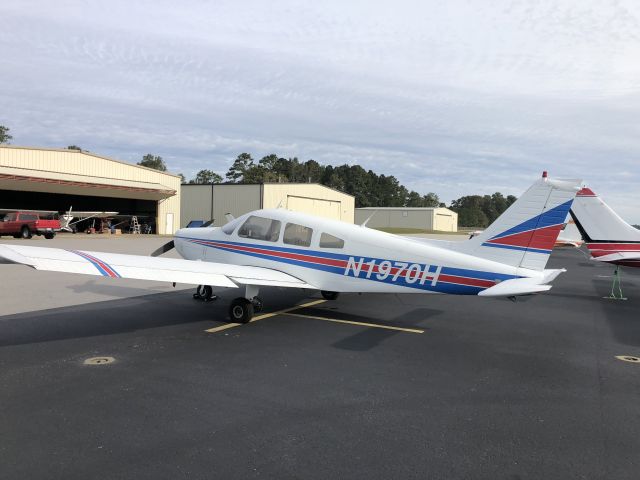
x,y
569,235
290,249
67,223
608,237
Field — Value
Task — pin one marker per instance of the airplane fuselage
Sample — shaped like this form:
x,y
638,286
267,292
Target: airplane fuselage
x,y
367,261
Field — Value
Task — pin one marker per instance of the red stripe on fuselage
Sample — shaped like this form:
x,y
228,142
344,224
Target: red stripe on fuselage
x,y
473,282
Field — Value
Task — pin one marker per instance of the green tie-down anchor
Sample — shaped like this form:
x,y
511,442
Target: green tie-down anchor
x,y
616,286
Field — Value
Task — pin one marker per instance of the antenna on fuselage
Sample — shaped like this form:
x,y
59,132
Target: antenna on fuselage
x,y
364,224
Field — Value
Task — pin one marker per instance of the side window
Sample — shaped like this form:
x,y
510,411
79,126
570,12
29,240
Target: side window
x,y
295,234
260,228
329,241
28,217
10,217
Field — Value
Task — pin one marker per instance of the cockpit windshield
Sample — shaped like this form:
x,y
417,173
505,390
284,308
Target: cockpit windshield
x,y
260,228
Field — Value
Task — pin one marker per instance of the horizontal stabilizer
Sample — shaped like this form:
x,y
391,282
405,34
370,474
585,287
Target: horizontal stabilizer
x,y
514,287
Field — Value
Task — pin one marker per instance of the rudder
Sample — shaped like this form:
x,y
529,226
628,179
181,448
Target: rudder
x,y
525,234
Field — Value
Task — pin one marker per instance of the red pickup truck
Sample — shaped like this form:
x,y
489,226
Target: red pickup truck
x,y
25,224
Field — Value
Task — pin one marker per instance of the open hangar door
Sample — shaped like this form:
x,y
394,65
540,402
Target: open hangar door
x,y
145,210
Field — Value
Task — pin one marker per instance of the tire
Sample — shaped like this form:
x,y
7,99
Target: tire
x,y
25,232
207,293
241,310
49,235
329,295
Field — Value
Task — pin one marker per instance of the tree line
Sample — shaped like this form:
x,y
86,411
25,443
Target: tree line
x,y
368,188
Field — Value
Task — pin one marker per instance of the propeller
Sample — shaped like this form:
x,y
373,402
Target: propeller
x,y
164,249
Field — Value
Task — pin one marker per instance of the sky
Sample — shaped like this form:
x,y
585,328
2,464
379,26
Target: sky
x,y
457,97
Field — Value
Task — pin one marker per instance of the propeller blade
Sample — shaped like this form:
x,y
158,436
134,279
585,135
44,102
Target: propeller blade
x,y
206,224
164,249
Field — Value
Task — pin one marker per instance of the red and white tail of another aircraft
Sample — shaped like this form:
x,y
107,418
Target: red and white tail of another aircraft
x,y
570,235
608,237
290,249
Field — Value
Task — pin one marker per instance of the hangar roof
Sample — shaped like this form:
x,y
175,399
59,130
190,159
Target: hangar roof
x,y
82,173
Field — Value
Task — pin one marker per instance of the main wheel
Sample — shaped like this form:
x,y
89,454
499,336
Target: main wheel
x,y
241,310
329,295
25,232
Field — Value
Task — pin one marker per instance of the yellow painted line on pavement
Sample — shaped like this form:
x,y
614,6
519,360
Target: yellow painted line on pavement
x,y
265,315
361,324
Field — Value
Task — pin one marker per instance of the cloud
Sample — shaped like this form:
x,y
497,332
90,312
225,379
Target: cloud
x,y
455,97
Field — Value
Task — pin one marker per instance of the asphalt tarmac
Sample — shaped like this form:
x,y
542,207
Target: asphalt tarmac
x,y
452,387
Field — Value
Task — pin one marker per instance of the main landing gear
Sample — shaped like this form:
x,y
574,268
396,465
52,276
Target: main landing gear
x,y
327,295
242,309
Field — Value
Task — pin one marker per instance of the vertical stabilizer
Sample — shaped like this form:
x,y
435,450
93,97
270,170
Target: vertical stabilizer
x,y
598,222
524,235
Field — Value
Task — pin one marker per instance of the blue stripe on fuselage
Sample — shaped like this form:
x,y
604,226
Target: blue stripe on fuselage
x,y
440,286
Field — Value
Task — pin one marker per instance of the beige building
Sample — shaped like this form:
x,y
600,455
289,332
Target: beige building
x,y
441,219
206,202
56,179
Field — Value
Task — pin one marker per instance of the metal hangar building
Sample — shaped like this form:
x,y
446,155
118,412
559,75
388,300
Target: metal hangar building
x,y
434,218
56,179
206,202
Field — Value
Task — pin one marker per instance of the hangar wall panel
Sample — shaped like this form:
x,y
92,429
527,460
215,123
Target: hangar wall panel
x,y
441,219
196,203
310,198
236,200
446,220
204,202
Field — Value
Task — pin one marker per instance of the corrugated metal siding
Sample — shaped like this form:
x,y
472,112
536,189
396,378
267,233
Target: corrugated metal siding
x,y
446,220
204,202
441,219
196,203
421,219
234,199
310,198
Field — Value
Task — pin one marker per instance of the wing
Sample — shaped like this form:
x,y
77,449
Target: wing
x,y
92,214
117,265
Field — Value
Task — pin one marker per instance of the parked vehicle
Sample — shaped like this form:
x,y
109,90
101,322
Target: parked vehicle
x,y
26,224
